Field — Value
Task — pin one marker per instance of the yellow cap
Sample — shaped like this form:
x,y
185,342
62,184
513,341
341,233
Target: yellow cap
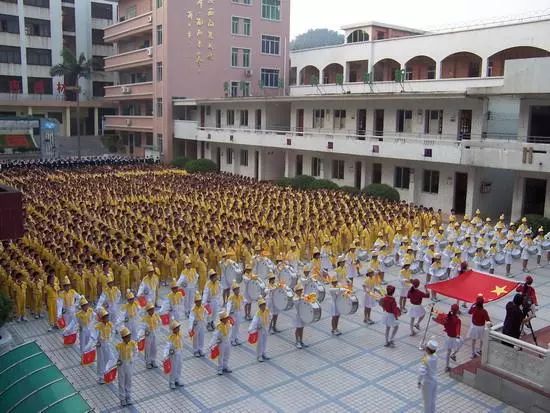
x,y
299,287
174,283
198,297
248,267
315,251
261,301
149,306
223,314
130,295
66,281
541,229
102,312
524,220
187,261
211,273
235,285
150,268
174,324
487,219
125,332
83,301
478,212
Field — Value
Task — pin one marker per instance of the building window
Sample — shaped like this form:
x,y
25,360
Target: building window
x,y
159,3
159,71
230,117
229,156
10,84
160,145
271,9
431,182
247,2
99,88
37,3
234,57
39,57
299,165
97,36
10,54
40,85
9,24
433,123
270,78
246,57
98,63
102,11
376,173
315,166
245,87
131,12
148,139
339,119
37,27
137,140
244,118
246,27
244,157
358,36
234,89
318,118
271,44
159,34
234,25
402,177
159,107
338,169
404,121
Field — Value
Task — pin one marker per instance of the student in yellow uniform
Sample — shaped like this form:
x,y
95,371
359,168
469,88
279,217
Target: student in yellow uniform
x,y
135,273
174,350
124,274
84,318
51,292
36,294
103,334
126,351
20,295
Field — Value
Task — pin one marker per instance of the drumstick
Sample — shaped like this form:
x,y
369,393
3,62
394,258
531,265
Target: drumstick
x,y
421,346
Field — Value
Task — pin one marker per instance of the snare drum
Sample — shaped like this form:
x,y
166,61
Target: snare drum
x,y
460,240
516,253
546,245
502,242
255,289
389,261
485,264
312,286
363,255
518,239
532,250
472,251
441,274
499,258
283,298
443,244
235,272
288,276
415,267
309,312
347,304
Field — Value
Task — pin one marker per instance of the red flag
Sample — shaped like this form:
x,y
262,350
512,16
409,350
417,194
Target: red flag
x,y
88,358
142,301
215,352
165,319
231,320
61,323
110,376
141,344
167,366
208,309
253,337
440,318
182,291
70,339
467,286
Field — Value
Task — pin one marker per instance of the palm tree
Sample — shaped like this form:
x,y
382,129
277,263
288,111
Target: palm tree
x,y
73,69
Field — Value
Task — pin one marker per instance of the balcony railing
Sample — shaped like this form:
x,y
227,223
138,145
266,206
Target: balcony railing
x,y
129,123
128,60
130,91
128,28
185,129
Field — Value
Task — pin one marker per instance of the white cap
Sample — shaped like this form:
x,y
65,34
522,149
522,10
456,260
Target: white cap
x,y
432,345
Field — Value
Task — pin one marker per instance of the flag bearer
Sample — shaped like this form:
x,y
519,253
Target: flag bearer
x,y
260,323
126,350
152,325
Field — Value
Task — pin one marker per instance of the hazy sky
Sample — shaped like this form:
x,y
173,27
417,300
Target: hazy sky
x,y
420,14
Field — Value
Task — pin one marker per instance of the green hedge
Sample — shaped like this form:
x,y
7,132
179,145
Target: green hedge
x,y
537,221
382,191
306,182
6,306
201,165
350,189
324,184
180,162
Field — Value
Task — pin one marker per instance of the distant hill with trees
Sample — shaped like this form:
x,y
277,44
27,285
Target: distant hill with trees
x,y
316,38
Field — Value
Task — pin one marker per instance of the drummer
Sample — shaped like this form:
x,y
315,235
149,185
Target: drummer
x,y
491,254
375,267
272,285
341,271
298,323
293,256
525,244
235,309
247,277
351,263
335,292
537,241
212,297
369,284
507,250
326,256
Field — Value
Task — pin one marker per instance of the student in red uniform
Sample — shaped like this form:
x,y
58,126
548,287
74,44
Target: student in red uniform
x,y
479,317
417,311
528,291
452,328
391,314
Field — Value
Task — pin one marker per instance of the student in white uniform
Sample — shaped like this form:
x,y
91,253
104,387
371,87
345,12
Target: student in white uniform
x,y
197,326
221,337
151,322
126,350
234,308
260,324
427,377
335,292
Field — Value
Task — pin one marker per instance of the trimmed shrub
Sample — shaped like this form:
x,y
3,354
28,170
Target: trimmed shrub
x,y
324,184
201,165
284,182
537,221
303,182
6,306
180,162
350,190
382,191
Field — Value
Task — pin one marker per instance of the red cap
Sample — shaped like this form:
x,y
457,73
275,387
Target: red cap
x,y
454,308
390,289
529,279
416,282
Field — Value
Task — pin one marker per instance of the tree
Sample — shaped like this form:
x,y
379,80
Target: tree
x,y
73,69
316,38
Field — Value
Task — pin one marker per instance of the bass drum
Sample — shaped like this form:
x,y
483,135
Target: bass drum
x,y
516,253
255,289
283,298
347,304
460,240
499,258
309,312
389,262
235,272
443,244
502,242
263,267
312,286
518,239
288,276
486,263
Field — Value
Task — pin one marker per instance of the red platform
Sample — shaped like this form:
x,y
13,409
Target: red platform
x,y
11,213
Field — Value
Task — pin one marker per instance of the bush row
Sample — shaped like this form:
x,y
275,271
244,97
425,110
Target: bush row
x,y
195,165
537,221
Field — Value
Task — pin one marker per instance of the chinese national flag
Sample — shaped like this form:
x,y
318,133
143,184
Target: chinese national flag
x,y
165,319
110,376
88,358
215,352
467,286
70,339
253,337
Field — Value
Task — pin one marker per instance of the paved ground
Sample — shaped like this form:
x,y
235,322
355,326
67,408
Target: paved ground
x,y
353,372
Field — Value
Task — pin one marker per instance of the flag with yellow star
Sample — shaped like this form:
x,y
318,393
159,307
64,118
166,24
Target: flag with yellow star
x,y
467,286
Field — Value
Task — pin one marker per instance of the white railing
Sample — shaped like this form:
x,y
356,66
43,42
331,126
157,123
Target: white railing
x,y
523,361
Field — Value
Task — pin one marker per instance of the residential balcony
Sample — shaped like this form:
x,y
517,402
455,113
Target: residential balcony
x,y
523,154
410,86
130,91
185,129
129,123
128,60
129,28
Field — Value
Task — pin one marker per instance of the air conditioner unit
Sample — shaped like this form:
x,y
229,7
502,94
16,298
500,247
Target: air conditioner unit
x,y
149,51
126,90
150,19
128,122
248,72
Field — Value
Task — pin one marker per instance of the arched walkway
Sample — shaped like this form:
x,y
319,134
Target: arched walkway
x,y
331,73
420,68
384,70
495,63
461,64
309,75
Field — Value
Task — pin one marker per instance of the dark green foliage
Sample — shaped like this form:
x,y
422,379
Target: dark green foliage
x,y
316,38
180,162
382,191
201,165
537,221
6,306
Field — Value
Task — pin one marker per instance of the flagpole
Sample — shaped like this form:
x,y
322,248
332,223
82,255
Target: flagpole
x,y
421,347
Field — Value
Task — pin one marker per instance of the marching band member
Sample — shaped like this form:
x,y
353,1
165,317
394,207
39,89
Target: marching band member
x,y
417,312
452,328
537,241
270,289
225,278
212,297
523,227
326,256
36,285
126,350
428,256
103,334
110,297
151,321
434,273
316,270
175,301
491,254
197,326
70,299
370,282
427,376
20,292
293,256
479,256
525,244
391,315
298,323
334,292
247,277
84,318
221,338
188,281
405,284
375,267
261,323
351,263
174,350
149,285
130,314
507,250
235,310
341,271
480,316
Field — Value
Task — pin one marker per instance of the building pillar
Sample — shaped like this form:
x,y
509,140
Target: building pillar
x,y
67,121
517,197
29,110
471,192
260,166
438,69
287,164
484,63
96,121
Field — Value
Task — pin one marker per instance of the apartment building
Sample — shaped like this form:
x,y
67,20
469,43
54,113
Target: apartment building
x,y
32,35
457,119
187,50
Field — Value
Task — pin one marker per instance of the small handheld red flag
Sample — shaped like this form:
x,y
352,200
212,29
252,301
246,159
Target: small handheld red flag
x,y
142,301
141,344
167,366
88,358
70,339
253,337
215,352
231,320
61,323
165,319
110,376
208,309
192,333
182,291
